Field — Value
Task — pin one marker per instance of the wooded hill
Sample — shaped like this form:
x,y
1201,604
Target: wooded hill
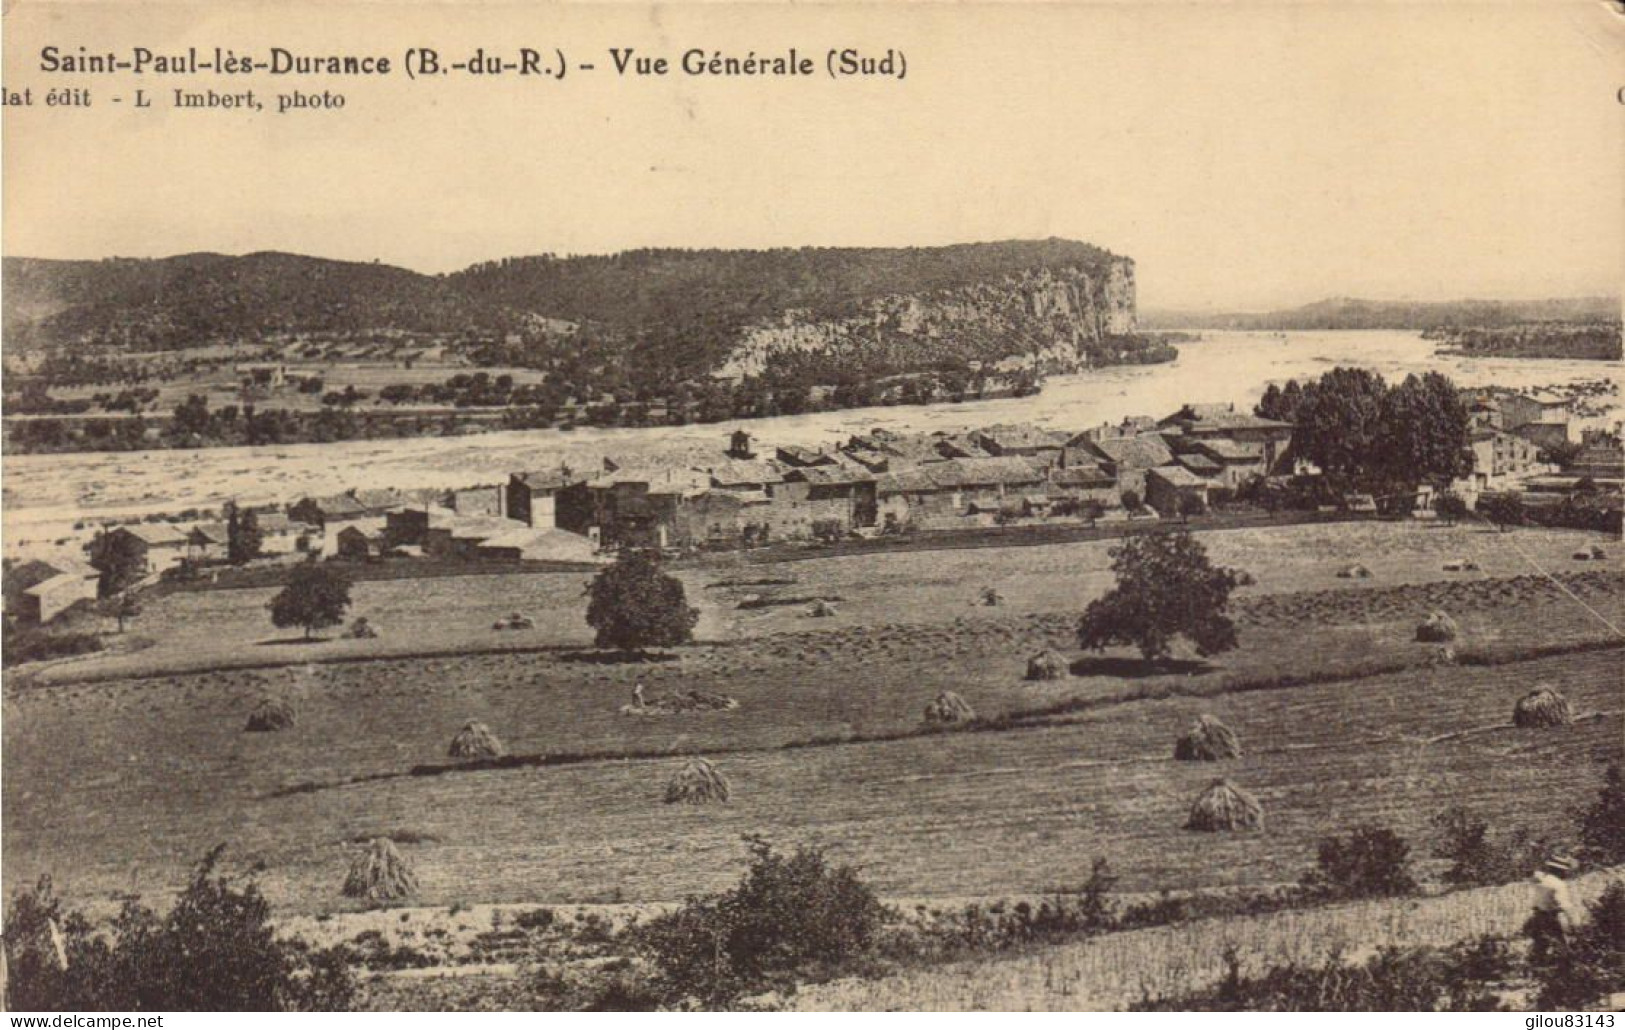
x,y
684,295
1353,313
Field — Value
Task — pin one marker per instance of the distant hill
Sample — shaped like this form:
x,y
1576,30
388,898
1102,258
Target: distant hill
x,y
195,299
1353,313
669,315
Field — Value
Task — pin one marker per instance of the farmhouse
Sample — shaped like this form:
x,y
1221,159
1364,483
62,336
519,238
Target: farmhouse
x,y
407,527
159,544
1124,458
1167,488
479,500
1083,482
280,534
322,511
822,494
460,536
531,496
524,543
38,591
1499,455
354,542
207,541
1021,441
1245,444
632,507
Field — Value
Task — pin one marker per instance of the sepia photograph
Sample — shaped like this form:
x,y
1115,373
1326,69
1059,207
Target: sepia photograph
x,y
765,507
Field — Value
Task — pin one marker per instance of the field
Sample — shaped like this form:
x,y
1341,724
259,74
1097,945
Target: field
x,y
875,596
154,768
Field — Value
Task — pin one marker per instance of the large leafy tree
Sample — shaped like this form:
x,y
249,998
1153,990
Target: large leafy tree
x,y
1423,433
635,605
316,597
1166,588
1338,424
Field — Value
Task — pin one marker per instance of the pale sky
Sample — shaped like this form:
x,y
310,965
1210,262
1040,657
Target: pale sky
x,y
1245,156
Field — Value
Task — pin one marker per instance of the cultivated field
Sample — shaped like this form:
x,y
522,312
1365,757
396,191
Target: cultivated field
x,y
229,628
116,784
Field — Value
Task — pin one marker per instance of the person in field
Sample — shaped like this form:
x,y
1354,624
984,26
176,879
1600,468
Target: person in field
x,y
1555,916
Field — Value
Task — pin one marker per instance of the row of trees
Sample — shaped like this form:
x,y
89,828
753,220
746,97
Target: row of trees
x,y
1366,435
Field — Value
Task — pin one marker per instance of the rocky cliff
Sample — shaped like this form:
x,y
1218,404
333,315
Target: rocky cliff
x,y
1058,318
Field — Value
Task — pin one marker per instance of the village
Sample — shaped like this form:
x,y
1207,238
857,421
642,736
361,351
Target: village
x,y
1197,461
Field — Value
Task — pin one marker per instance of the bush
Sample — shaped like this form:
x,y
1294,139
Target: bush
x,y
214,951
790,918
1371,862
1476,860
1602,826
32,645
1594,965
1395,980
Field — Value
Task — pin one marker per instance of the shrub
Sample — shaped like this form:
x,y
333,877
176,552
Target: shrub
x,y
214,951
1602,826
1477,860
790,918
1395,980
1594,965
31,645
1371,862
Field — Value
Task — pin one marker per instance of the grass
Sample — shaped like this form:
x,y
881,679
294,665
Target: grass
x,y
116,785
1113,971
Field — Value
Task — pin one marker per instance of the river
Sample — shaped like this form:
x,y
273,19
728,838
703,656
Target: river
x,y
46,494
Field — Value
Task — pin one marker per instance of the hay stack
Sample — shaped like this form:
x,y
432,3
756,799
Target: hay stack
x,y
1355,571
1208,740
273,714
361,629
1542,707
381,873
949,707
1047,664
822,609
991,598
1225,806
698,782
1437,628
475,740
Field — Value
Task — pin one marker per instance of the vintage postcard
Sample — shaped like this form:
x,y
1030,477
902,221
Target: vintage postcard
x,y
821,507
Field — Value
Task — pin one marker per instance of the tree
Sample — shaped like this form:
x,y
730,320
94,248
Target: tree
x,y
1191,504
1451,506
316,597
1422,433
634,605
1503,509
1166,588
1131,501
1337,423
244,540
122,607
120,558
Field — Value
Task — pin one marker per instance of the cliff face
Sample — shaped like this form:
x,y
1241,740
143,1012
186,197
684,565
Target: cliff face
x,y
1055,318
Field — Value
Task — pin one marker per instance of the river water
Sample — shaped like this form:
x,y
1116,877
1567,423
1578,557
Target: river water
x,y
46,494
